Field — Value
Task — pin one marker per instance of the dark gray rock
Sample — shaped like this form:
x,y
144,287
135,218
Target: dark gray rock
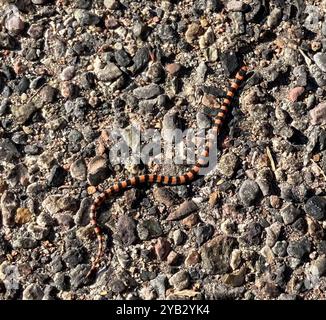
x,y
299,249
73,257
78,276
126,230
249,192
167,33
56,264
203,233
156,72
35,31
140,59
229,62
178,237
57,176
159,285
48,94
4,104
253,233
67,73
316,207
78,169
22,85
8,205
165,196
82,215
86,18
289,213
280,248
147,92
109,73
87,80
7,42
117,286
203,121
25,243
8,72
61,281
122,58
38,232
8,151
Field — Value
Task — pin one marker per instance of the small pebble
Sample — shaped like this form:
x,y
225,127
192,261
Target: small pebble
x,y
227,164
173,68
185,209
33,292
15,24
193,32
67,73
316,207
147,92
192,258
320,60
295,93
98,170
180,280
249,192
111,4
162,248
318,114
23,215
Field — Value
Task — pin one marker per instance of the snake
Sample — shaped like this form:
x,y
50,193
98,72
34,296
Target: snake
x,y
166,180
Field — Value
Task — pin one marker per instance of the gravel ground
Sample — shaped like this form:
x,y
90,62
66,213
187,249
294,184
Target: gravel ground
x,y
254,228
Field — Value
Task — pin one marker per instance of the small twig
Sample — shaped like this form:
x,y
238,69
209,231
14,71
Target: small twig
x,y
37,91
306,58
270,157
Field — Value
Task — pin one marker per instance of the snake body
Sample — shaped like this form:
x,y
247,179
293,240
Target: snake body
x,y
186,178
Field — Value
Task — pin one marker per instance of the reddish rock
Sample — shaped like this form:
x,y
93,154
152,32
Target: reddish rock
x,y
184,210
295,93
192,258
172,258
275,201
173,68
162,248
209,100
191,220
